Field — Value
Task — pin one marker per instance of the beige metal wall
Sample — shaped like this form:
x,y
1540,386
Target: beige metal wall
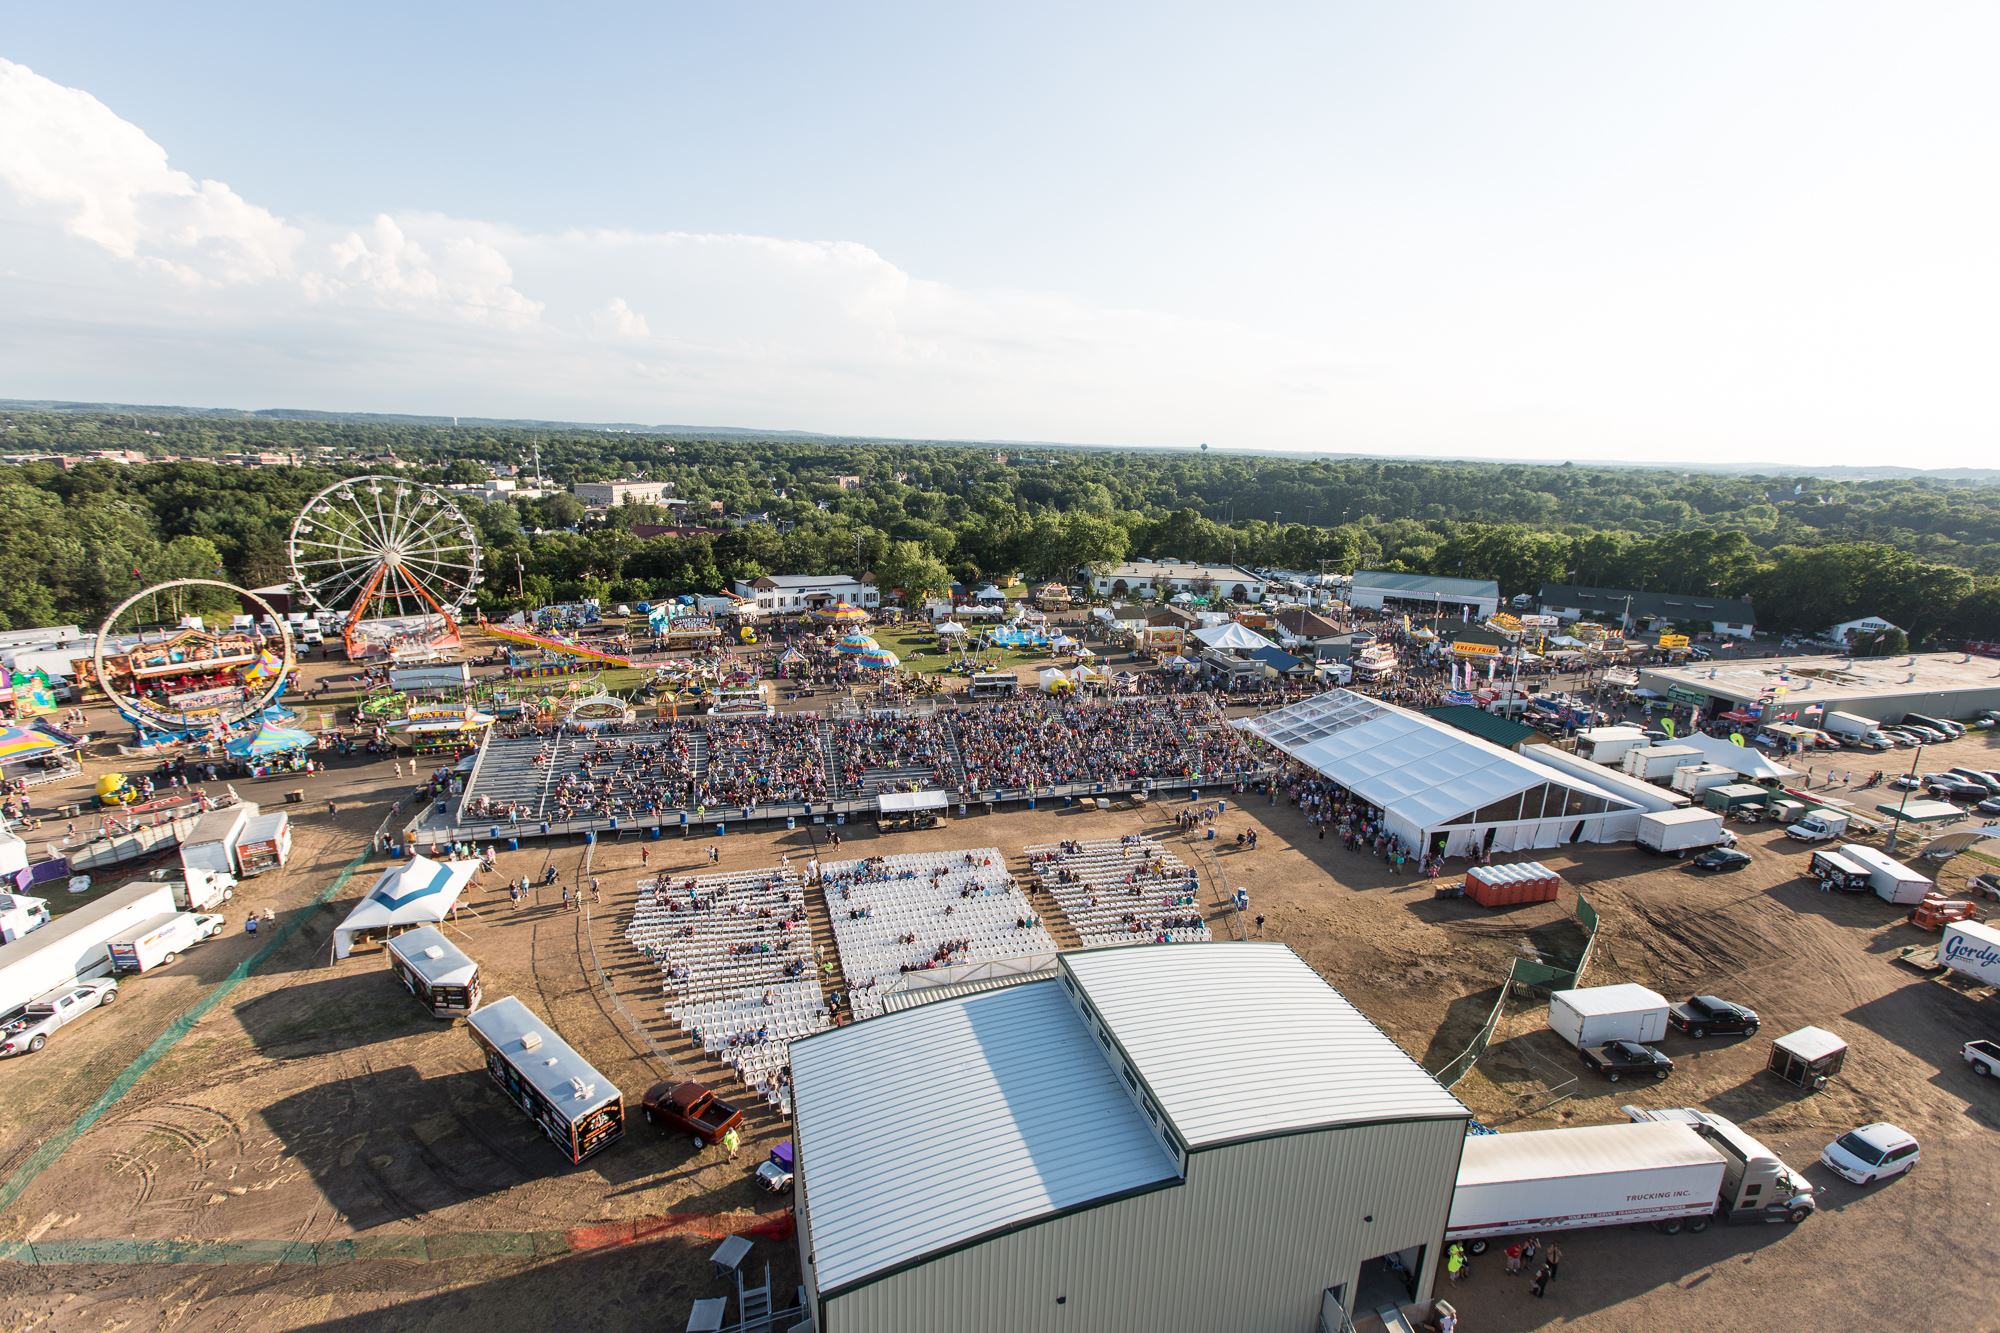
x,y
1249,1244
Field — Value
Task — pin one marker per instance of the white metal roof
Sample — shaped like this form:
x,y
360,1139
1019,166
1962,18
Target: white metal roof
x,y
921,1130
1744,759
1810,1043
551,1064
1587,1150
1426,771
1240,1040
1622,998
433,957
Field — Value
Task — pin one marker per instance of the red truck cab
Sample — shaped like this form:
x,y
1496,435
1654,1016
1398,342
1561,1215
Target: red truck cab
x,y
691,1108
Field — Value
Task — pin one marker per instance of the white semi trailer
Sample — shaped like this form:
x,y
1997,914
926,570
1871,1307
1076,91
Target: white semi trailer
x,y
74,944
1672,1169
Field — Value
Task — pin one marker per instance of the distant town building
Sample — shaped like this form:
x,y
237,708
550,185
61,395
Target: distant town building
x,y
1155,578
606,494
848,483
1849,630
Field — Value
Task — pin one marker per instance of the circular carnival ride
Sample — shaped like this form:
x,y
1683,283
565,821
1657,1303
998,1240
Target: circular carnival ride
x,y
393,561
185,681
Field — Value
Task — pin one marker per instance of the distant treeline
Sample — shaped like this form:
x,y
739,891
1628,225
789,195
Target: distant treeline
x,y
1810,552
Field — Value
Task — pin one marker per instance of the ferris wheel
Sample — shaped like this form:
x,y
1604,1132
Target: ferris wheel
x,y
384,552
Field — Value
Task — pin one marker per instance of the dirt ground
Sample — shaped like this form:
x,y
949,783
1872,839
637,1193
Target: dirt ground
x,y
317,1151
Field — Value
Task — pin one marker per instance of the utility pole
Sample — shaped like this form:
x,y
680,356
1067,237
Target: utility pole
x,y
1896,830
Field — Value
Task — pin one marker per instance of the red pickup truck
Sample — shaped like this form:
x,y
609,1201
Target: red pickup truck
x,y
691,1108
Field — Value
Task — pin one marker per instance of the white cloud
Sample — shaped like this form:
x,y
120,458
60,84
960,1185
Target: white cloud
x,y
618,320
67,160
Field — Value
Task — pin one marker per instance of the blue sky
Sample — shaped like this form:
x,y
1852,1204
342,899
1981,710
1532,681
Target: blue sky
x,y
1709,231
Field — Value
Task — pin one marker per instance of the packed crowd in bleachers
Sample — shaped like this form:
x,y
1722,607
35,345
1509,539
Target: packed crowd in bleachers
x,y
1128,890
1039,743
894,915
740,971
909,752
708,763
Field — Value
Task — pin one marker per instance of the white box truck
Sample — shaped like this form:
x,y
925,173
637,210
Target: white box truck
x,y
73,944
1972,948
211,843
1656,763
20,914
1694,779
1678,832
1891,879
1819,826
1593,1015
161,940
1590,1176
197,890
265,844
1608,745
1855,730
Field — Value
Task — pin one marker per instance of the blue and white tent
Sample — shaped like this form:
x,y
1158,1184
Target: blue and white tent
x,y
418,892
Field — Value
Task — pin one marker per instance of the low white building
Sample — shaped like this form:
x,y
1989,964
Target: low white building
x,y
1171,1136
791,594
1156,578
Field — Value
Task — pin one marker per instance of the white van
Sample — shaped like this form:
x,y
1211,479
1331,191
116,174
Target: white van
x,y
161,940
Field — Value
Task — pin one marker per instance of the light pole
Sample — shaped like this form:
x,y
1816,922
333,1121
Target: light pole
x,y
1896,830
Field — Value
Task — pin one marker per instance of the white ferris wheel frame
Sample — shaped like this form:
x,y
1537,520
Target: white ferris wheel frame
x,y
403,548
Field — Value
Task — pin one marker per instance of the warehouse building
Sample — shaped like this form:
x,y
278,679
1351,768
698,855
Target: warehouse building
x,y
1424,594
1186,1136
1439,788
1805,689
1642,612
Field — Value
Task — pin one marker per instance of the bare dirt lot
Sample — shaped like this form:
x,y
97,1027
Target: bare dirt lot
x,y
317,1151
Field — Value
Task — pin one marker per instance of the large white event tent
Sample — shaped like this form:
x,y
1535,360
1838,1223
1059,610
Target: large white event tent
x,y
1748,760
419,892
1231,637
1436,785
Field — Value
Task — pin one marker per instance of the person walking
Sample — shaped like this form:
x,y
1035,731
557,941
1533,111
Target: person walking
x,y
1514,1259
1454,1262
1554,1260
514,895
645,855
1541,1282
731,1140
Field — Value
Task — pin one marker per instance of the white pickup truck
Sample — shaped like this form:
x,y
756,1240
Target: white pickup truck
x,y
1983,1056
29,1029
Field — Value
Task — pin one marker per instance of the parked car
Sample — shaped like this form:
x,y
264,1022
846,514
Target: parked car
x,y
1721,858
1703,1014
29,1029
1954,788
1930,735
1983,1056
1873,1152
1617,1059
1901,739
1978,778
1905,782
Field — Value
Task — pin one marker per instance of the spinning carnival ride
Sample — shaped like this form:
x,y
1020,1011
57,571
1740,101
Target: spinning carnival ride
x,y
179,682
393,561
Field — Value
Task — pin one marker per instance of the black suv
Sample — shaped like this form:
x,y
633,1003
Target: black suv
x,y
1615,1059
1704,1014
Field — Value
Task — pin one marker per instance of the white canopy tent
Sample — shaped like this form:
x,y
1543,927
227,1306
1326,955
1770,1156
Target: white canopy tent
x,y
418,892
1747,760
910,802
1436,785
1231,637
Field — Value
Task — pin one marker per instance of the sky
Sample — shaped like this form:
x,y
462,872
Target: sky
x,y
1708,232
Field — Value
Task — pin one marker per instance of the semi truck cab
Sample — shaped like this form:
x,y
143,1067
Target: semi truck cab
x,y
1757,1186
